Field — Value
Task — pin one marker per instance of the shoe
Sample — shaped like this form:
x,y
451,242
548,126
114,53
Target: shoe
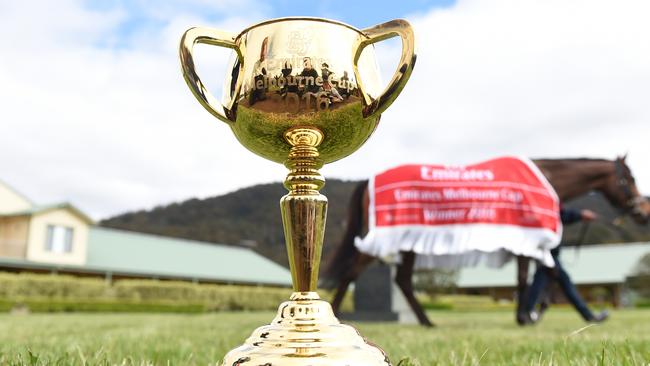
x,y
534,317
600,317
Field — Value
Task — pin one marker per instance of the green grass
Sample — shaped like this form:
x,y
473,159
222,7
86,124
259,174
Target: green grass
x,y
461,338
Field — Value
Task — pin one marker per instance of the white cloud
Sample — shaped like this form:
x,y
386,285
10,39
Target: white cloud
x,y
108,129
539,79
116,129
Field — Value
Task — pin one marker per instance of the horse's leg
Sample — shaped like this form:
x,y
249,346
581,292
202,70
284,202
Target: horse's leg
x,y
522,286
347,262
404,279
340,293
361,263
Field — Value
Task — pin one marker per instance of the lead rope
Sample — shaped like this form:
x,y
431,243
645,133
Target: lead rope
x,y
584,228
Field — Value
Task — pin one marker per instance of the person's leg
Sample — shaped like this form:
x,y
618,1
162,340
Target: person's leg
x,y
545,299
572,294
540,280
539,287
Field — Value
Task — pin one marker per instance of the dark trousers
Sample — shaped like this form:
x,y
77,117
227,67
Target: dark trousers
x,y
542,277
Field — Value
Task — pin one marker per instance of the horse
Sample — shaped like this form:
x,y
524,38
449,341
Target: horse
x,y
570,178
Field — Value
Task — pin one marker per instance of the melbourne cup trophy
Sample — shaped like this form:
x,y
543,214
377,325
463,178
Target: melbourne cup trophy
x,y
302,92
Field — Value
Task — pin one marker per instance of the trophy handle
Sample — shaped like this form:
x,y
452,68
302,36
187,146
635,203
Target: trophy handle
x,y
216,38
380,32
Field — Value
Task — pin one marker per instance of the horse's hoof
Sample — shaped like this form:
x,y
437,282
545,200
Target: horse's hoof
x,y
428,324
524,318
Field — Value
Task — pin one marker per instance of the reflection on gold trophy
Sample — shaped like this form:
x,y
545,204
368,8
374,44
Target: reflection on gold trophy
x,y
302,93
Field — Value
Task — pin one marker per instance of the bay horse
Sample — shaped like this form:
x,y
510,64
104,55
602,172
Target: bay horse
x,y
569,177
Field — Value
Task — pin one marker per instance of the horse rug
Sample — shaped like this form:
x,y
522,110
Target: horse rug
x,y
457,216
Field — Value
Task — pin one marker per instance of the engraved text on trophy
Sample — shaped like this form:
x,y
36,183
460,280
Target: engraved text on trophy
x,y
299,84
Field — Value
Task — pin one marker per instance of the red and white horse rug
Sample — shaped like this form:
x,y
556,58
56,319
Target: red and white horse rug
x,y
456,216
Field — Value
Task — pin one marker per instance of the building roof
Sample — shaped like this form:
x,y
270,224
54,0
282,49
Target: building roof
x,y
133,253
124,253
43,208
12,200
15,191
593,264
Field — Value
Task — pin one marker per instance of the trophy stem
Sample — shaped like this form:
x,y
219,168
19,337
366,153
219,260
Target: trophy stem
x,y
305,331
304,209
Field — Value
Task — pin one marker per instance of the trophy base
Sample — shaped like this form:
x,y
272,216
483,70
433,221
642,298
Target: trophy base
x,y
305,332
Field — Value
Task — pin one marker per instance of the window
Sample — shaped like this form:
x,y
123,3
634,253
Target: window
x,y
58,239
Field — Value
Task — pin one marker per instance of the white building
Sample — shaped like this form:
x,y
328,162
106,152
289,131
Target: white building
x,y
61,238
46,234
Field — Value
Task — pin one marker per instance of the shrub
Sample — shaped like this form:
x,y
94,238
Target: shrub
x,y
28,285
48,293
642,303
462,303
437,305
69,305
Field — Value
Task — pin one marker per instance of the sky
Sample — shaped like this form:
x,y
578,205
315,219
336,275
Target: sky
x,y
94,109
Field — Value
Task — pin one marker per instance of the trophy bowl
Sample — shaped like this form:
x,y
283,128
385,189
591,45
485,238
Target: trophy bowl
x,y
302,92
301,72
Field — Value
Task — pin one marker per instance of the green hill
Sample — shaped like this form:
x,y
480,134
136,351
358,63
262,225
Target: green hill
x,y
247,217
612,225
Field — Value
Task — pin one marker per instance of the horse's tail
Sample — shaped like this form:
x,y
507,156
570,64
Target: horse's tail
x,y
346,253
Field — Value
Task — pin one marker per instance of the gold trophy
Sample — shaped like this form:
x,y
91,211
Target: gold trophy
x,y
302,92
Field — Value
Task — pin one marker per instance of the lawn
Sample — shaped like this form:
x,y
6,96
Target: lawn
x,y
461,338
